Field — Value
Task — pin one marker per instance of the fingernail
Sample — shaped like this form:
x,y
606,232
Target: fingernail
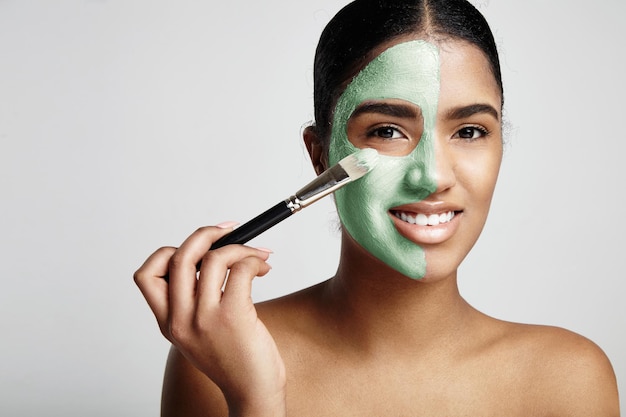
x,y
226,225
265,250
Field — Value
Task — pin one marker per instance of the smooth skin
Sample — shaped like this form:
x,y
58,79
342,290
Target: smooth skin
x,y
370,341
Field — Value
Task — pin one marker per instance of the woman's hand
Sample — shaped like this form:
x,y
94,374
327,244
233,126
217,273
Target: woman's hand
x,y
217,331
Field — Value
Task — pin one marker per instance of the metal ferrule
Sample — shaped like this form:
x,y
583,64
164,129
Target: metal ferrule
x,y
324,184
293,203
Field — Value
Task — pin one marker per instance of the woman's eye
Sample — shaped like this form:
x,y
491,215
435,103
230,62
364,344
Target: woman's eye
x,y
471,132
387,132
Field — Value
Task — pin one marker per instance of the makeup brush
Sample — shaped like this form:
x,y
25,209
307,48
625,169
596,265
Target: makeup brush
x,y
349,169
345,171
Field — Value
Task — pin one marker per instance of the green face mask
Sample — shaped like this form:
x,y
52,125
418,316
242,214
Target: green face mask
x,y
407,71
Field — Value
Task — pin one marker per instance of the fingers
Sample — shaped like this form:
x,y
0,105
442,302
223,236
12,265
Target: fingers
x,y
218,331
189,296
149,279
182,268
179,266
237,293
242,263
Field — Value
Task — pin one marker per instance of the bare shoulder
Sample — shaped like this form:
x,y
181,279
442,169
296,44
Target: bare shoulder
x,y
297,305
294,316
567,373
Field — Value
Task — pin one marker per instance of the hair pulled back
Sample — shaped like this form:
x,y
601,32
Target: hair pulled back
x,y
361,26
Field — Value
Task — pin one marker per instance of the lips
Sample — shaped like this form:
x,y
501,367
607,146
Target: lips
x,y
422,219
427,223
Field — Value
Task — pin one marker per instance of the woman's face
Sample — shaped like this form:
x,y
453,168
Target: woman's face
x,y
433,113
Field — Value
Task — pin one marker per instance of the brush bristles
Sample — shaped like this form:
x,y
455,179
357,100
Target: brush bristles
x,y
348,169
359,163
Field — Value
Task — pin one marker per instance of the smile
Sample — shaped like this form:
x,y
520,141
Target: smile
x,y
421,219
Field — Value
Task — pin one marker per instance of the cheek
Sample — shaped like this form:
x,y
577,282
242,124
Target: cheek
x,y
388,184
369,199
364,205
478,175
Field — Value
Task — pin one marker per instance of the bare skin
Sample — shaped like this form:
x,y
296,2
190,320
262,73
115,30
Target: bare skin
x,y
369,341
343,360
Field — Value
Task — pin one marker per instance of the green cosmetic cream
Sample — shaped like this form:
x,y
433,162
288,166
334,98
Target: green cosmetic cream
x,y
407,71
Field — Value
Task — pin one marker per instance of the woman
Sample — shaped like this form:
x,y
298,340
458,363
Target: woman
x,y
389,334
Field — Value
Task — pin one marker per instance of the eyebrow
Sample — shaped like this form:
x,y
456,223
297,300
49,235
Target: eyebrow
x,y
388,109
467,111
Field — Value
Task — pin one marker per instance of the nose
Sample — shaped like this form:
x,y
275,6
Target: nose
x,y
432,169
443,172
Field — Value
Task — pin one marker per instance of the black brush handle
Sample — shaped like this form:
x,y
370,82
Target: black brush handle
x,y
253,228
256,226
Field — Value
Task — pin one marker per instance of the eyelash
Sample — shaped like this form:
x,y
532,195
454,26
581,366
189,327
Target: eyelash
x,y
481,130
376,132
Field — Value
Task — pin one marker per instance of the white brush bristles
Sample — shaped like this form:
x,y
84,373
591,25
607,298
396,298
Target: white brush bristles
x,y
359,163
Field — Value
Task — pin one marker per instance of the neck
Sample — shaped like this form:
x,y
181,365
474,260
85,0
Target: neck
x,y
380,309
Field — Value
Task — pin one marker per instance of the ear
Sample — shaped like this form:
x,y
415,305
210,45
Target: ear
x,y
316,149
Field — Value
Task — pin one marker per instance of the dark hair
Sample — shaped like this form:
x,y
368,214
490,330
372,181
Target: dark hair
x,y
361,26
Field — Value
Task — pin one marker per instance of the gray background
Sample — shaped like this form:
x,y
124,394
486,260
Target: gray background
x,y
125,125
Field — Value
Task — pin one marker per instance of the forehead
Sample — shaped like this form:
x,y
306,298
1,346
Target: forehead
x,y
407,71
466,76
462,69
413,59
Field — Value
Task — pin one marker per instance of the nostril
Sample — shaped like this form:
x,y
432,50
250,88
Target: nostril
x,y
414,177
418,178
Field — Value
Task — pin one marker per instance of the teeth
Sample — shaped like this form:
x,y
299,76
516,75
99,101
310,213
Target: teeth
x,y
424,220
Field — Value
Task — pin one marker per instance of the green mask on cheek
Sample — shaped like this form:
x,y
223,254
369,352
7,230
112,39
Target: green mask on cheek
x,y
407,71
